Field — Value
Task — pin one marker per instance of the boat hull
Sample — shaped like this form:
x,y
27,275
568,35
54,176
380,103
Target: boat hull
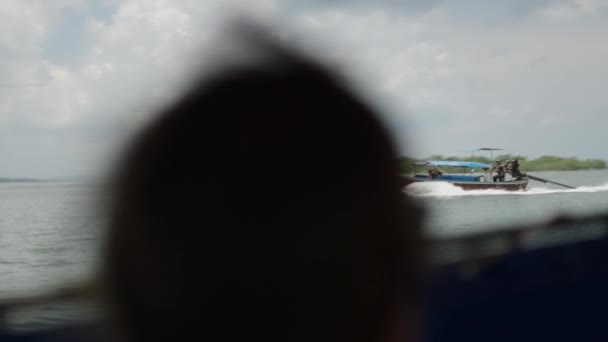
x,y
512,185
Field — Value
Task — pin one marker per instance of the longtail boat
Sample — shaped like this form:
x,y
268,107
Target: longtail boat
x,y
473,176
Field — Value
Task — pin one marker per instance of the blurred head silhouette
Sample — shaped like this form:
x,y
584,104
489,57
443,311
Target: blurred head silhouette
x,y
263,203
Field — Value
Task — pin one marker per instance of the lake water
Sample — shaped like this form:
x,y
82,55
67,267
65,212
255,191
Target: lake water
x,y
454,211
49,238
50,232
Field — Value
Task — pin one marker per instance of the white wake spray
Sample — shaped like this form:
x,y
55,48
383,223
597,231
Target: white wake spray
x,y
446,190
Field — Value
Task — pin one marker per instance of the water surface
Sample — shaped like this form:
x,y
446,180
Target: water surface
x,y
50,233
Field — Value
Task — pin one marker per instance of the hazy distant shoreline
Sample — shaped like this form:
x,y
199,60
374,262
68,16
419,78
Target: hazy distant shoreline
x,y
20,180
49,180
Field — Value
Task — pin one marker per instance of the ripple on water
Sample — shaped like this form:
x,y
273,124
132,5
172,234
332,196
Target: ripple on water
x,y
48,237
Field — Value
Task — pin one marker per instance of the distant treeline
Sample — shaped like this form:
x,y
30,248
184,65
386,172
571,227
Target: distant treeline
x,y
18,180
544,163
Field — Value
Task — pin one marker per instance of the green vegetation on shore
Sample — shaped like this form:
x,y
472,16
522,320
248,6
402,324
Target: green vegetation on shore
x,y
544,163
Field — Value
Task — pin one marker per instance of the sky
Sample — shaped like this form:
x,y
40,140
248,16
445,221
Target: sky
x,y
81,77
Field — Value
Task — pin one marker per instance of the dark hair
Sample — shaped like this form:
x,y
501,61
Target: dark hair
x,y
264,203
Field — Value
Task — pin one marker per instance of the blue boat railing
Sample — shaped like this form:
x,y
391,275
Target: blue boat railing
x,y
453,177
542,282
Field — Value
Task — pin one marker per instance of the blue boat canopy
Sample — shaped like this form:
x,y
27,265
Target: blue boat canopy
x,y
455,163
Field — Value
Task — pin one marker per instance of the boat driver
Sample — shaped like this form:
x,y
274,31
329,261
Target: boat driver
x,y
434,172
515,172
500,172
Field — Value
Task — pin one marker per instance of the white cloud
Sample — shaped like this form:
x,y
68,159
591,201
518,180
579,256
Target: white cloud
x,y
573,9
449,83
476,84
135,59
